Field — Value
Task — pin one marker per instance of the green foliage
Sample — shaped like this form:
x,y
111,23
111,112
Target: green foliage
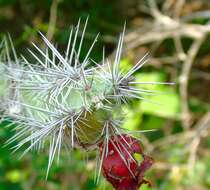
x,y
22,19
165,99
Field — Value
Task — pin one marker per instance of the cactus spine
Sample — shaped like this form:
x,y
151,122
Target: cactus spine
x,y
62,99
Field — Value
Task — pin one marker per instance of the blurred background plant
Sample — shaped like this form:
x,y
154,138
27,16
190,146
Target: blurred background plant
x,y
176,33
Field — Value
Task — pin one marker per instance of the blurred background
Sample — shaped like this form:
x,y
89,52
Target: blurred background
x,y
176,33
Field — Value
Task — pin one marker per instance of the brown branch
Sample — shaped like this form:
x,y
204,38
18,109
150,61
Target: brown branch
x,y
169,29
165,27
184,79
201,130
52,20
178,8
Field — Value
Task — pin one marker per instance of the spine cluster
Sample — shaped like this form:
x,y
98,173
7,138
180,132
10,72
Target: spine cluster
x,y
57,99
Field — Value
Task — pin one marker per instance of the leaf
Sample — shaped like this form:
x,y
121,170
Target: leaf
x,y
14,176
165,101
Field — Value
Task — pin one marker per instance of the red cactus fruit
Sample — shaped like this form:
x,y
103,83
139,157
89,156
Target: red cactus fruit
x,y
119,165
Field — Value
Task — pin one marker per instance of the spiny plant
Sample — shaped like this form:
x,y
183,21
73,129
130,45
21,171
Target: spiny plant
x,y
61,100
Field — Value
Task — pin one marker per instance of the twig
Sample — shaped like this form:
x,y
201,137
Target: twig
x,y
184,78
201,129
170,139
179,48
178,7
52,20
194,31
165,27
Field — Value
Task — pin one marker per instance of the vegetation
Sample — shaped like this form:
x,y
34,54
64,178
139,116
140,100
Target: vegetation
x,y
175,119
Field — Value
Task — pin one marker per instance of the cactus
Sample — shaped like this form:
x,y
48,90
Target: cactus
x,y
8,77
61,99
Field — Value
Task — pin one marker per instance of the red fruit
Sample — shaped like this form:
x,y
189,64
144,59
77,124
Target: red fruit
x,y
119,165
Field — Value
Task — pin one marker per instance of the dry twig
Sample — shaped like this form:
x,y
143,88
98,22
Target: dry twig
x,y
52,20
201,130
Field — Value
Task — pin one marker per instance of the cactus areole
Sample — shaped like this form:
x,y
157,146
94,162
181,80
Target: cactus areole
x,y
124,162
